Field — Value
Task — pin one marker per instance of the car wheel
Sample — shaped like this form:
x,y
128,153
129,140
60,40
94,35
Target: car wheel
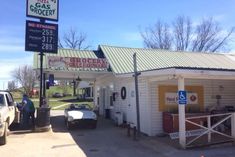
x,y
3,139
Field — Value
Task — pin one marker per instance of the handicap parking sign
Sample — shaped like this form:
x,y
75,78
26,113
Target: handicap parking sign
x,y
182,97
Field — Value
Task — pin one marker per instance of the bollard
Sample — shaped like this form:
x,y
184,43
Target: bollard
x,y
134,133
128,130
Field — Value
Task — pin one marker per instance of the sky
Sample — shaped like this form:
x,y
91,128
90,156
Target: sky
x,y
106,22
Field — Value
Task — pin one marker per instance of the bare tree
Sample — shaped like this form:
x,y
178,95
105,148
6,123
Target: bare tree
x,y
207,36
26,77
60,45
157,36
182,28
74,40
11,85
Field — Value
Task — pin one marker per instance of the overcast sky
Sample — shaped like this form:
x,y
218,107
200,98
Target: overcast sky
x,y
111,22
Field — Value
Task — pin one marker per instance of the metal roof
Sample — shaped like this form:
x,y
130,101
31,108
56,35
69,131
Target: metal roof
x,y
121,59
66,53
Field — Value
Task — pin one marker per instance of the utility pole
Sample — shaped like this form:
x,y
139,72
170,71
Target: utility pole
x,y
136,74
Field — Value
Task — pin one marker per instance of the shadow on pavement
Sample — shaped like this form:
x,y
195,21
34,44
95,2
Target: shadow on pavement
x,y
106,140
18,129
58,124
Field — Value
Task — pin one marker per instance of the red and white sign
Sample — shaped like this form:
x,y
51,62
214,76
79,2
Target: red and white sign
x,y
75,62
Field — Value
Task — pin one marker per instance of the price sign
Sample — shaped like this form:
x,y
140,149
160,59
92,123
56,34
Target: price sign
x,y
41,37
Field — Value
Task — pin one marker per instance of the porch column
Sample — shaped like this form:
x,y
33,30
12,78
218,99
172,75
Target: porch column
x,y
91,91
181,111
74,87
233,125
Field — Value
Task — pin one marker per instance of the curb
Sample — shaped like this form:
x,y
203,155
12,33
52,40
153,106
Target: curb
x,y
42,129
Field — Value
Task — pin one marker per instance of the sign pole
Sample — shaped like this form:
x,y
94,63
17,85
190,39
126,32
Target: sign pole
x,y
136,74
44,85
41,73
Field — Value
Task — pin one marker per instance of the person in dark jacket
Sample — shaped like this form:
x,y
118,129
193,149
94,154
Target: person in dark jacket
x,y
28,111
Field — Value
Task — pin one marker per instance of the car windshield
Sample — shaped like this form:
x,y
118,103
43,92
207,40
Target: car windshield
x,y
79,107
2,101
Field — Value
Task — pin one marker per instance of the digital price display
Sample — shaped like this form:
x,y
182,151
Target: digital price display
x,y
41,37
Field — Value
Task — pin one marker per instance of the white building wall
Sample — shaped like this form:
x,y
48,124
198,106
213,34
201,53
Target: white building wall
x,y
122,105
145,108
104,82
225,88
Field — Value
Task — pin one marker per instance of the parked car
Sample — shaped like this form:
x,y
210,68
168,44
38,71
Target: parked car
x,y
80,115
57,95
8,114
67,94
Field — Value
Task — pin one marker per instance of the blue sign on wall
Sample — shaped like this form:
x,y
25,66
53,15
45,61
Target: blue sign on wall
x,y
182,97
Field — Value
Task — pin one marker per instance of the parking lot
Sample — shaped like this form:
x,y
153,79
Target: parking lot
x,y
105,141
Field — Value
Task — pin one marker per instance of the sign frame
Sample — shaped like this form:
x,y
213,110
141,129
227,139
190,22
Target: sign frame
x,y
45,18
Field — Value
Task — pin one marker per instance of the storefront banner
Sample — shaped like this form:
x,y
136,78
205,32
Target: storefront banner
x,y
171,98
75,62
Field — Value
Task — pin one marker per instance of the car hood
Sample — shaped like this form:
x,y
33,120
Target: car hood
x,y
82,114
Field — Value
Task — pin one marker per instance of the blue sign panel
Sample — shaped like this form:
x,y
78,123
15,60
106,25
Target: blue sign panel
x,y
182,97
51,80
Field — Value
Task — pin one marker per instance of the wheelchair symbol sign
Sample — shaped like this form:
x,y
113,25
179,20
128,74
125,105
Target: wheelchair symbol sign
x,y
182,98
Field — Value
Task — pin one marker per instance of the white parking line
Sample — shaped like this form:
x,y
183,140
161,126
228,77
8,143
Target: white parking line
x,y
60,106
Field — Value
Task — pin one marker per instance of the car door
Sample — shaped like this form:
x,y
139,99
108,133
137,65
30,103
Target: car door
x,y
11,107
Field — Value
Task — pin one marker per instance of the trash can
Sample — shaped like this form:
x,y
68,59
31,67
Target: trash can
x,y
43,117
107,113
118,118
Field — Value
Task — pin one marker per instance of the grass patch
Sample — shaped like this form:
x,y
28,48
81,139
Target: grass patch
x,y
58,102
90,104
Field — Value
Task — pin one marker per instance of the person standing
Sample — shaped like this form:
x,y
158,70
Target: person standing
x,y
28,111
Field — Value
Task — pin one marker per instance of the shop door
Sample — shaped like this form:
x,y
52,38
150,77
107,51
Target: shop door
x,y
131,107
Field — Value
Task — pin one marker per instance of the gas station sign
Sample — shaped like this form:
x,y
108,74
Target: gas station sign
x,y
46,9
41,37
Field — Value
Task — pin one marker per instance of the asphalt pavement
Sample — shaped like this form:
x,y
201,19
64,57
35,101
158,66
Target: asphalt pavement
x,y
104,141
